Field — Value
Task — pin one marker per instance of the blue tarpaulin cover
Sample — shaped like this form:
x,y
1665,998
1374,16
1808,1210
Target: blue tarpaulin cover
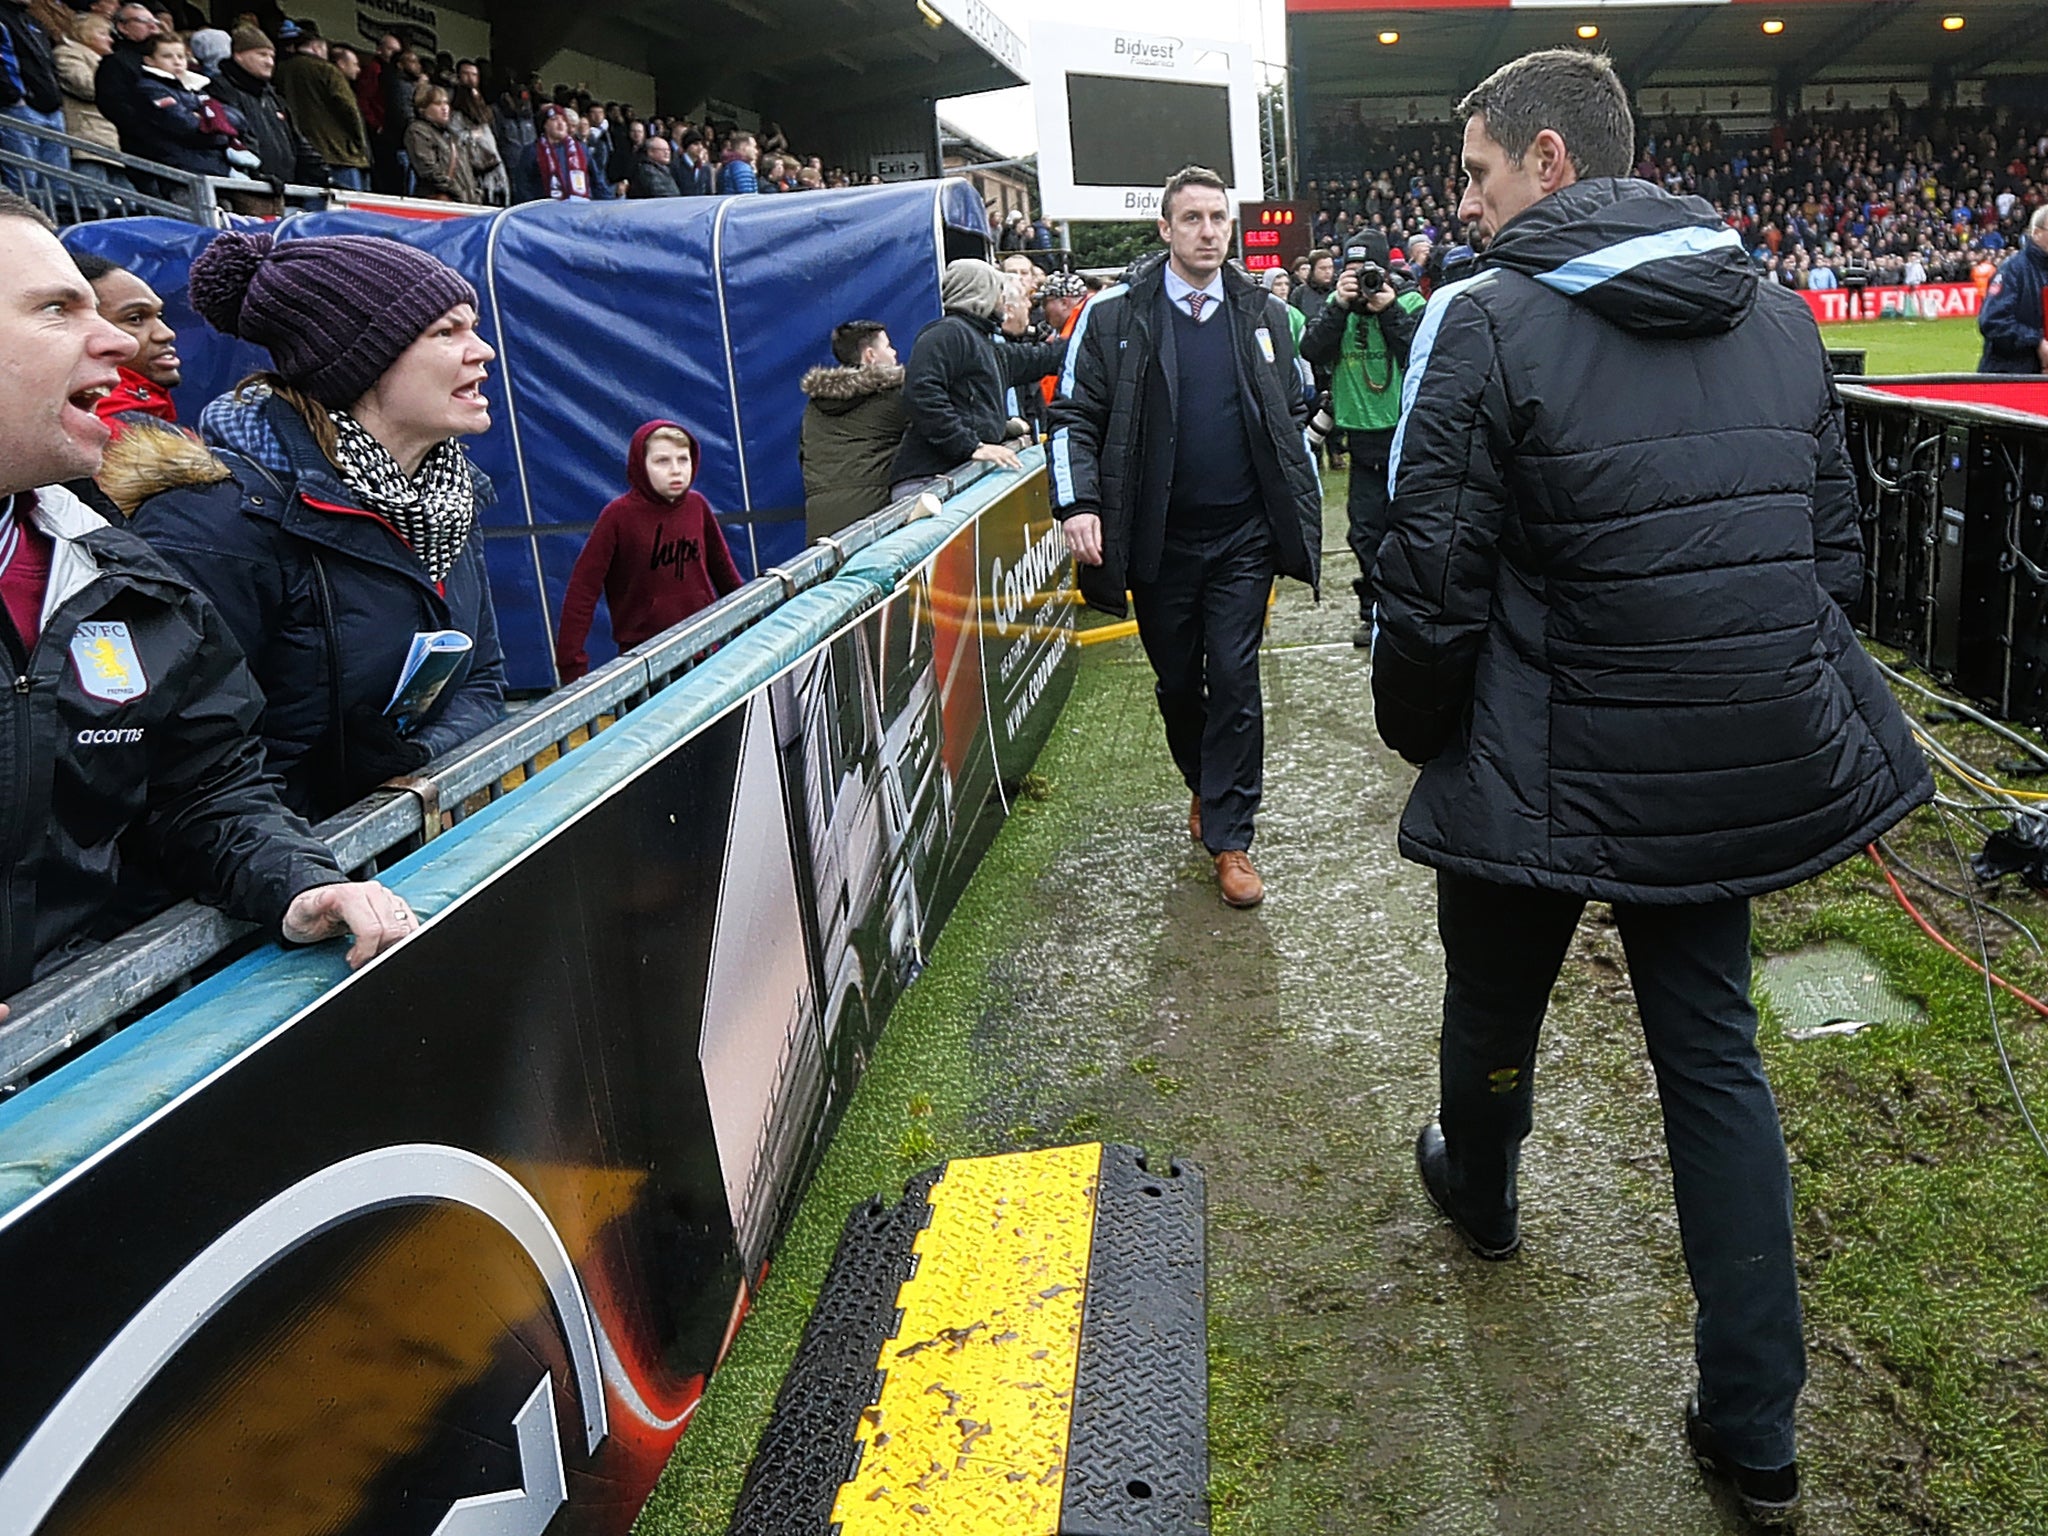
x,y
604,315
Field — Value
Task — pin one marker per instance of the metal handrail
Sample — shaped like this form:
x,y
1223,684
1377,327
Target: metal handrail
x,y
200,192
78,1001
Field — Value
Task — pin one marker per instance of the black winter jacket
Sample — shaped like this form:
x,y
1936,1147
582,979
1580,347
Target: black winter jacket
x,y
1098,420
1610,599
955,390
257,526
34,77
130,739
283,150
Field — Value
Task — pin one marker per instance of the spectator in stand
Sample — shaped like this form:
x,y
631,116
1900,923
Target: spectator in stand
x,y
143,746
155,369
209,46
322,105
515,126
113,82
1279,284
78,59
442,157
170,123
397,81
736,172
957,380
1062,297
852,426
2014,317
657,554
336,517
29,91
477,123
243,81
694,173
368,84
597,143
556,168
651,176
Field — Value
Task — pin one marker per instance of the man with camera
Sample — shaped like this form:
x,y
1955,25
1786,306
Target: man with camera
x,y
1361,339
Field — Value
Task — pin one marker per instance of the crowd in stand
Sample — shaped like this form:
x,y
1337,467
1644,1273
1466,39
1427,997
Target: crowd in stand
x,y
297,108
1843,199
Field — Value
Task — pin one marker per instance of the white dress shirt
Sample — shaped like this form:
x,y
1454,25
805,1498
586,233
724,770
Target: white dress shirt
x,y
1178,288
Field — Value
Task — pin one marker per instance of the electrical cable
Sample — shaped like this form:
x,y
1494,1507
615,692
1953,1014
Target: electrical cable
x,y
1968,712
1991,1001
1974,776
1953,894
1936,934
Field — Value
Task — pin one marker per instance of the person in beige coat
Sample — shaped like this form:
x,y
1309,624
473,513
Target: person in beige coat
x,y
78,57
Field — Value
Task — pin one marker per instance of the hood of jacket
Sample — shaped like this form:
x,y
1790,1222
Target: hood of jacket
x,y
636,463
147,458
838,390
1634,255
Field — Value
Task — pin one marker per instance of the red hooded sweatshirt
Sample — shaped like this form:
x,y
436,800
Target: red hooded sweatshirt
x,y
656,561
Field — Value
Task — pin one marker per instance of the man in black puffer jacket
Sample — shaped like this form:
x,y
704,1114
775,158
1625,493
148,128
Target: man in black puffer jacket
x,y
1611,631
244,83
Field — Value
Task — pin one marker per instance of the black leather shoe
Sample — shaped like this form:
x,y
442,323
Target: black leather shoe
x,y
1432,1162
1769,1496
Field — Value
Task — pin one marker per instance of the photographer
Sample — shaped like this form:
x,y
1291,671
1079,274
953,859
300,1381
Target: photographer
x,y
1361,338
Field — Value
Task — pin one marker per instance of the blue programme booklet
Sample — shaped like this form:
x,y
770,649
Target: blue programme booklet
x,y
430,661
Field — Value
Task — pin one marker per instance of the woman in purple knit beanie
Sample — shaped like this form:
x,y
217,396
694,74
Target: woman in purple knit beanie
x,y
332,513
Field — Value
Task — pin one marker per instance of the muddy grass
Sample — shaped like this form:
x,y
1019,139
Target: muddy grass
x,y
1367,1375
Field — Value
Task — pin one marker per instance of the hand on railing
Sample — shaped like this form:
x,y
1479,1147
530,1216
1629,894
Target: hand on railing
x,y
378,918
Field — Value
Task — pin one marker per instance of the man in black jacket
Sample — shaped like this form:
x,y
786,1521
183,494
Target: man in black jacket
x,y
244,83
651,174
131,733
1178,467
114,81
1611,630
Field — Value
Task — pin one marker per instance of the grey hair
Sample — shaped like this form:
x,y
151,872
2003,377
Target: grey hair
x,y
2039,221
1574,94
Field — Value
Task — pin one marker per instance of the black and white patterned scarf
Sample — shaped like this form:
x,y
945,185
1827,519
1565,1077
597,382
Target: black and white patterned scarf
x,y
433,511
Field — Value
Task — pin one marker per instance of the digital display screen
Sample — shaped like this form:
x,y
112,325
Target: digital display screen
x,y
1263,263
1261,239
1136,133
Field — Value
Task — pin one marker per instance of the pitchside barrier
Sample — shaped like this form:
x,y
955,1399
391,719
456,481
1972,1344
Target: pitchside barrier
x,y
1952,473
451,1244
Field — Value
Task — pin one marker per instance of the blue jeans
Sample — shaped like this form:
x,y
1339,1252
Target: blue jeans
x,y
32,147
1689,965
349,178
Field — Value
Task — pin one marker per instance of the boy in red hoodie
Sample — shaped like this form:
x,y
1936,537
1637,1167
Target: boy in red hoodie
x,y
657,553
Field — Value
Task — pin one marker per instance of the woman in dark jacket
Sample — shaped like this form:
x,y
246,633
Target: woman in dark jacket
x,y
956,385
344,521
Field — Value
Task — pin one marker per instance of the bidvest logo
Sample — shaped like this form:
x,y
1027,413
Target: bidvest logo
x,y
1148,52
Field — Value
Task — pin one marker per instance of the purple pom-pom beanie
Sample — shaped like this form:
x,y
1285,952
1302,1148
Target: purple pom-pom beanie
x,y
334,311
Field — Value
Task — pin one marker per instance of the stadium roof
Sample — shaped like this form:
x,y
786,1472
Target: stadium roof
x,y
1447,46
789,59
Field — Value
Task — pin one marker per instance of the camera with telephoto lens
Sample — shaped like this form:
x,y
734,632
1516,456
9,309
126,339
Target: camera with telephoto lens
x,y
1320,423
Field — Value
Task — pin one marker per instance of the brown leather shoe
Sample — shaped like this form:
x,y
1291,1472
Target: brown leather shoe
x,y
1195,818
1241,884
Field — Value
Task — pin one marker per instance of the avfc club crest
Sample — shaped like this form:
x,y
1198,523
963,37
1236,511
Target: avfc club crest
x,y
108,667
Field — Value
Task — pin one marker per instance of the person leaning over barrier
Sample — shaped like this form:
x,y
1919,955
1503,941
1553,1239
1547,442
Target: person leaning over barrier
x,y
335,517
134,718
1611,631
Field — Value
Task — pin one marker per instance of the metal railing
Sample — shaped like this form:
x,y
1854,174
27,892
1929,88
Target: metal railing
x,y
76,196
97,992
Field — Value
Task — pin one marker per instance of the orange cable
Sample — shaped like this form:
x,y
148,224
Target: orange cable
x,y
1935,934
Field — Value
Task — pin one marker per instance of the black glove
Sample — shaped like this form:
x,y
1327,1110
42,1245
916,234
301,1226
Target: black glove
x,y
373,751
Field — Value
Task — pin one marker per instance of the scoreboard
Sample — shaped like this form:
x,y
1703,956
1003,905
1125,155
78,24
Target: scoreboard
x,y
1273,234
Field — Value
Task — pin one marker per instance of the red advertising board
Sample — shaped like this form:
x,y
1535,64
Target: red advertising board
x,y
1931,301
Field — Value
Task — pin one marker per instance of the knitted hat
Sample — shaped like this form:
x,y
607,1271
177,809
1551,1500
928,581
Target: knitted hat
x,y
1063,285
334,311
249,40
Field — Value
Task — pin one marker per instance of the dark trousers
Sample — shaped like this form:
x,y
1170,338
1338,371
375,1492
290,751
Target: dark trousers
x,y
1201,621
1365,505
1503,946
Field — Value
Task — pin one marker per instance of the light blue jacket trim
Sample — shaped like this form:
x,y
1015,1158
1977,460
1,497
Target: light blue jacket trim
x,y
1418,364
1597,267
1062,470
1081,330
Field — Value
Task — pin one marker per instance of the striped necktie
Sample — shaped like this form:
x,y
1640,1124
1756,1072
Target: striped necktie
x,y
1195,303
10,535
